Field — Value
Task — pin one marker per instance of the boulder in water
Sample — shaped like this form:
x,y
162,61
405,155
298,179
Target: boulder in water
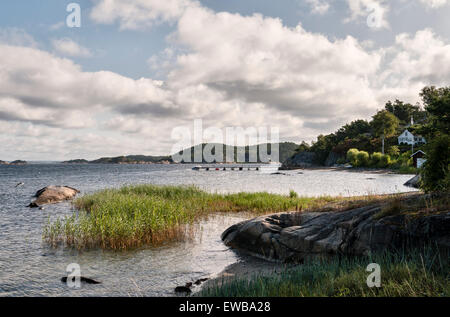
x,y
52,195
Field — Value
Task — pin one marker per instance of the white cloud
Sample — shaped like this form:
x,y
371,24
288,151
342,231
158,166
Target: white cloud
x,y
39,87
414,62
138,14
68,47
57,26
435,3
16,36
319,6
286,69
374,12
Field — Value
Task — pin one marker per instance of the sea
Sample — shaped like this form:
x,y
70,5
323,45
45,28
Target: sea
x,y
30,267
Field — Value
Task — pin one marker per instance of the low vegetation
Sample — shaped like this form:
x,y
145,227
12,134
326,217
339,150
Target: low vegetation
x,y
146,214
410,273
401,163
420,205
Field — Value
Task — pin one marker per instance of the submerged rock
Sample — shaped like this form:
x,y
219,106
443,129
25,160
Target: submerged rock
x,y
200,281
83,279
292,237
183,289
53,194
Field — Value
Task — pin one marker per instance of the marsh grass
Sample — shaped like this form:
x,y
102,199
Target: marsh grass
x,y
132,216
411,273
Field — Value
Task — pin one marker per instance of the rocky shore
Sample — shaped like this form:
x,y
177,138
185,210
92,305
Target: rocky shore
x,y
294,236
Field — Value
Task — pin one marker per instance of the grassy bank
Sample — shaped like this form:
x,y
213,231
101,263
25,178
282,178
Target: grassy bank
x,y
412,273
146,214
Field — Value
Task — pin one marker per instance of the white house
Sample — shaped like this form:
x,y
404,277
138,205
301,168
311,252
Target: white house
x,y
408,138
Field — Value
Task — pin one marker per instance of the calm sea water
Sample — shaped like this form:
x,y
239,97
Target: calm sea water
x,y
28,267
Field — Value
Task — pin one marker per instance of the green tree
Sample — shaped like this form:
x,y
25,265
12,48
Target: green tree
x,y
303,147
437,105
385,125
394,151
404,111
435,172
353,130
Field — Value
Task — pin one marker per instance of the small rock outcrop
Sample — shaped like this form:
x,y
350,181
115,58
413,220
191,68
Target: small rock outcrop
x,y
52,195
292,237
83,279
300,160
414,182
332,159
183,289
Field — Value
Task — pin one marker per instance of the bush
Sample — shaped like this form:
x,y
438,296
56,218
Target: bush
x,y
352,156
435,171
375,159
363,158
394,151
385,161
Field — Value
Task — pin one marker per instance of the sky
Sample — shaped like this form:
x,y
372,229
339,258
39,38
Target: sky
x,y
134,70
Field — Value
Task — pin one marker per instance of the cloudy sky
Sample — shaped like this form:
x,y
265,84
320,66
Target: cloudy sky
x,y
136,69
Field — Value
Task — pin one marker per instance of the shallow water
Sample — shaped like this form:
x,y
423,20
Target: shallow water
x,y
30,268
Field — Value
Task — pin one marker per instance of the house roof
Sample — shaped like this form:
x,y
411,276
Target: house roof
x,y
418,152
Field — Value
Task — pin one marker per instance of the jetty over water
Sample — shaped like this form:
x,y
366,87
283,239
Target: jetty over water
x,y
238,167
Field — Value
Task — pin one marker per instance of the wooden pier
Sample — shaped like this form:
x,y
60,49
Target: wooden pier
x,y
236,167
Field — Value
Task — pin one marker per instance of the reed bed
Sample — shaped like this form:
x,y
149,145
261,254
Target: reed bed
x,y
407,273
133,216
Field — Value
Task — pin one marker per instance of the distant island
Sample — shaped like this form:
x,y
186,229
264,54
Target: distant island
x,y
130,159
17,162
286,150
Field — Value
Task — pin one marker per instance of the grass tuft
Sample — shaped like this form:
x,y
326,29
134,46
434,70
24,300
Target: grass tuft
x,y
413,273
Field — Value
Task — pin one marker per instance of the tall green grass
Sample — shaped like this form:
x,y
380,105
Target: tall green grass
x,y
147,214
410,273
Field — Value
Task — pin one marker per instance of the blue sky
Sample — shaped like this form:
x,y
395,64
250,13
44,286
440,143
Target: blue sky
x,y
135,68
126,51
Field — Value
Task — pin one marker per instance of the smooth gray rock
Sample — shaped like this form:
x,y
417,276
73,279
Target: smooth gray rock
x,y
53,194
414,182
291,237
300,160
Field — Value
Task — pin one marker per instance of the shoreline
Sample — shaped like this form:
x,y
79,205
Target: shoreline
x,y
367,170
